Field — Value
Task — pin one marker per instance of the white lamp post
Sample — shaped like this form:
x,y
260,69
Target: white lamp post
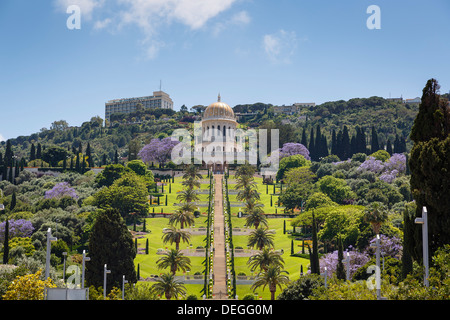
x,y
346,260
84,267
424,222
105,272
378,271
123,286
64,269
50,238
2,206
325,274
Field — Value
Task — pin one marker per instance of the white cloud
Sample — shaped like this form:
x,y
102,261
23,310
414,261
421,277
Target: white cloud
x,y
102,24
239,19
151,15
280,46
2,138
87,6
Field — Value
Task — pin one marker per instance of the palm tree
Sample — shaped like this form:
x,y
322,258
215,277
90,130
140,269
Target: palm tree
x,y
264,259
248,194
191,177
271,277
191,183
172,234
245,170
255,218
182,217
188,195
193,172
169,286
261,238
175,260
376,214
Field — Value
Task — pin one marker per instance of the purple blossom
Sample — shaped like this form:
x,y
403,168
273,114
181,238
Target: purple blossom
x,y
389,170
330,260
158,150
389,176
373,165
341,162
388,246
60,190
396,162
290,149
17,228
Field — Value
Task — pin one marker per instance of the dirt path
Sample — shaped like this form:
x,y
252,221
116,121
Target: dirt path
x,y
220,264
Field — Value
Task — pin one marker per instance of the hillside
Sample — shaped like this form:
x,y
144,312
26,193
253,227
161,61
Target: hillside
x,y
390,119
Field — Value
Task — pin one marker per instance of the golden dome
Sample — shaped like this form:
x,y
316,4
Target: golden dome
x,y
219,110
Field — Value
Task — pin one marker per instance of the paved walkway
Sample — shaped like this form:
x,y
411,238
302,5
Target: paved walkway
x,y
220,263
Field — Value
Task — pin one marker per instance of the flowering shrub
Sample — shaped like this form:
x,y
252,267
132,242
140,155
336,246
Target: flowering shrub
x,y
290,149
388,246
158,150
60,190
17,228
389,170
330,260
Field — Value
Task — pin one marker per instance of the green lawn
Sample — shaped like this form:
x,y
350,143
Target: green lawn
x,y
147,263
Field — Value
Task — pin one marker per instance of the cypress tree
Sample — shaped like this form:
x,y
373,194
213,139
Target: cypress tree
x,y
339,150
340,271
32,152
333,143
389,147
304,138
314,255
13,203
429,163
312,150
408,241
318,143
374,146
6,243
110,242
39,151
77,163
116,158
89,155
345,144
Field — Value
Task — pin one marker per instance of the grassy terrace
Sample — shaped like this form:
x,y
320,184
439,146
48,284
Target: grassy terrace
x,y
147,262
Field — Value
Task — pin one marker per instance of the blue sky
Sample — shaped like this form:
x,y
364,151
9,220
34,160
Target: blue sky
x,y
278,52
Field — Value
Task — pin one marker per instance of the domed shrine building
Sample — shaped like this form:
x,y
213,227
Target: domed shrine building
x,y
218,145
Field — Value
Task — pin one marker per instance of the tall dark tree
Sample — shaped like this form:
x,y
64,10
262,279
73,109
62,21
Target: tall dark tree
x,y
32,152
375,145
311,148
8,154
304,140
314,255
89,155
360,140
110,243
6,243
340,270
433,119
116,158
333,143
39,151
389,147
345,144
429,165
318,143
